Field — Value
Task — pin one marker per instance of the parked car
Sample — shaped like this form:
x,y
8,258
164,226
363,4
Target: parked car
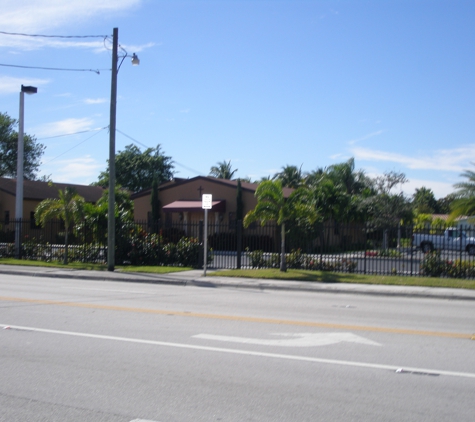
x,y
453,239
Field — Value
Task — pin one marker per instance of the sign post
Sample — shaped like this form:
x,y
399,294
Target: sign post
x,y
207,204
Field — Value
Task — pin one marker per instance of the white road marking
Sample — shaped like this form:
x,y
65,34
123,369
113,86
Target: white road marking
x,y
106,290
392,368
142,420
295,340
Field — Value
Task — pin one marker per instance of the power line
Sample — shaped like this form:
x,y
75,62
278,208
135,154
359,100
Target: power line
x,y
80,143
199,173
53,68
75,133
53,36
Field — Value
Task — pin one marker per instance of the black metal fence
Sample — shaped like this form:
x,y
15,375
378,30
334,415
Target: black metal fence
x,y
358,248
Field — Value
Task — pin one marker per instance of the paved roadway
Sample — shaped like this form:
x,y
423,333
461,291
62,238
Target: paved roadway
x,y
83,349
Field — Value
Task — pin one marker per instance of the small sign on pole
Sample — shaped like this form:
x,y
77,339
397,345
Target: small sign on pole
x,y
207,201
207,204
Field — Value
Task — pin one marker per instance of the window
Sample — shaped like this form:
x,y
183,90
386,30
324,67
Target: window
x,y
7,218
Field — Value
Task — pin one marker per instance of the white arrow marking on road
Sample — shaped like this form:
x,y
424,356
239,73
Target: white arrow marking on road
x,y
295,340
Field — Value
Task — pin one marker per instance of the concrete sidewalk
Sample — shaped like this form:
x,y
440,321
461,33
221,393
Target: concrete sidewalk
x,y
196,278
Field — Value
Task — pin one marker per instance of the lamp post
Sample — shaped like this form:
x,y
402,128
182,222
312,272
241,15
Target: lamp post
x,y
112,127
19,169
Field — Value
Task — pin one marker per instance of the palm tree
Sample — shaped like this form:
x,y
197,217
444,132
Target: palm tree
x,y
69,207
223,170
464,203
272,205
291,176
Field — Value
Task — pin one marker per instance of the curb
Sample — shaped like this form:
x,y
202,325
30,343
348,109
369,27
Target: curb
x,y
255,284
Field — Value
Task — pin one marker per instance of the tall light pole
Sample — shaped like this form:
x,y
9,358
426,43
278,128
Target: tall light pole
x,y
113,112
19,169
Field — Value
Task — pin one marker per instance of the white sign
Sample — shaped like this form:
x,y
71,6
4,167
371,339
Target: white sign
x,y
295,340
207,201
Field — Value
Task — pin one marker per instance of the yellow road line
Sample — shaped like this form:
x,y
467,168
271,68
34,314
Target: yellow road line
x,y
243,318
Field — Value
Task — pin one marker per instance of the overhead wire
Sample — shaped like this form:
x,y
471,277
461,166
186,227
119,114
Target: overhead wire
x,y
52,36
97,71
80,143
199,173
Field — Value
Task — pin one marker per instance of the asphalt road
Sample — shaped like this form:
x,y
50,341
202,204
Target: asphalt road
x,y
109,351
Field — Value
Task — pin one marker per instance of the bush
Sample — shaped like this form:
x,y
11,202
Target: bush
x,y
295,259
188,252
257,259
434,266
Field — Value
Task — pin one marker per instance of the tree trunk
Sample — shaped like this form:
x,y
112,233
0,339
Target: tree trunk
x,y
283,265
65,261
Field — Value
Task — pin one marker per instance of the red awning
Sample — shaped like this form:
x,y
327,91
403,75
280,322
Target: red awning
x,y
184,206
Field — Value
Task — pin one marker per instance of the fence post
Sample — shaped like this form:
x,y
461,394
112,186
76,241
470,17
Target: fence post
x,y
365,246
200,240
18,238
238,243
412,250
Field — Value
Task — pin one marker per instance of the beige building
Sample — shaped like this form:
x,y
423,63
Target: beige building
x,y
181,200
34,192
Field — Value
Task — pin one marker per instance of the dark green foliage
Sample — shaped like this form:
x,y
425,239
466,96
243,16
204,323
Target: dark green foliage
x,y
136,170
33,151
223,170
433,265
424,201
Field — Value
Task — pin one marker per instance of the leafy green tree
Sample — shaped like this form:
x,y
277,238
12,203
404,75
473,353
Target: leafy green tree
x,y
32,154
346,178
444,204
424,201
338,190
272,205
69,207
136,170
384,208
223,170
96,216
290,176
464,203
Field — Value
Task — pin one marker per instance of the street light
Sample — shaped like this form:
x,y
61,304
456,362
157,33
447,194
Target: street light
x,y
113,112
19,169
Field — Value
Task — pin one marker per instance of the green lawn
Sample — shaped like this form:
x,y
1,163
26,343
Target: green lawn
x,y
96,267
270,274
330,277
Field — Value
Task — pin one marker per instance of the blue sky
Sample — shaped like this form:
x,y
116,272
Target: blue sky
x,y
263,84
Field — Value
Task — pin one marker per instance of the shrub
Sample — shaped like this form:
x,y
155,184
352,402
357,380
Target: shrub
x,y
257,259
295,259
433,265
188,252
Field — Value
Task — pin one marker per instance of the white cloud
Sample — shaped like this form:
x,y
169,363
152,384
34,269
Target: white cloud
x,y
454,160
64,127
369,135
45,16
80,170
11,85
96,100
39,15
440,189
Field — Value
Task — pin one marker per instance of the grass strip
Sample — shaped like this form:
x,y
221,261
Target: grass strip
x,y
330,277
